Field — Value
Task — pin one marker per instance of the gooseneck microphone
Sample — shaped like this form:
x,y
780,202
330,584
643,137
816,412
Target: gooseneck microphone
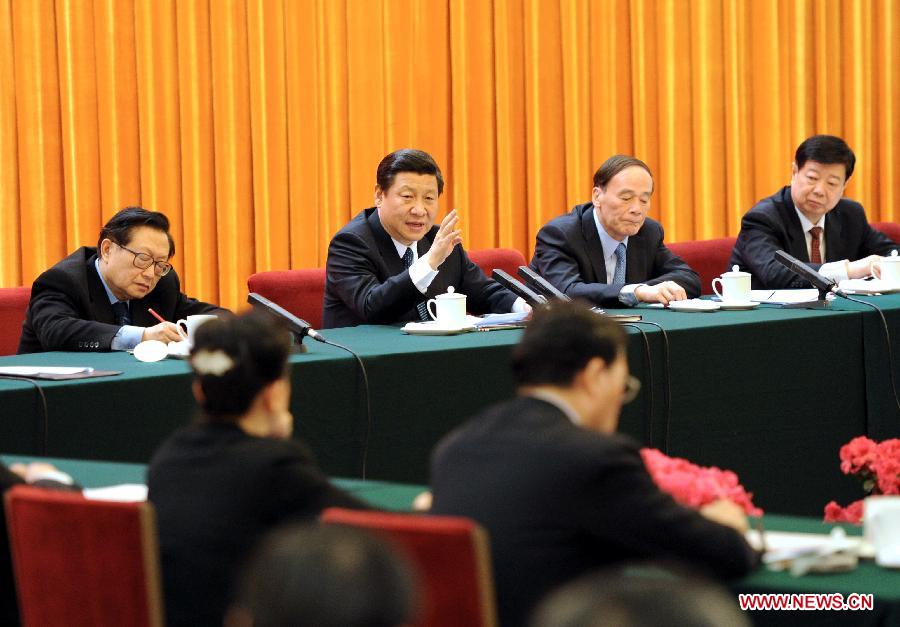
x,y
518,288
298,326
821,282
541,285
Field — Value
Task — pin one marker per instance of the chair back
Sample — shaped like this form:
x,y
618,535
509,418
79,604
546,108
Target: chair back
x,y
13,303
891,229
452,557
301,292
82,562
708,257
507,259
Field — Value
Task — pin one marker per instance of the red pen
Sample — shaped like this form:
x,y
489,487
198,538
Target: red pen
x,y
156,315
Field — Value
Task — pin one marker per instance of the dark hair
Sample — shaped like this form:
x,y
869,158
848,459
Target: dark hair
x,y
826,149
648,596
613,166
119,227
407,160
327,576
234,358
559,342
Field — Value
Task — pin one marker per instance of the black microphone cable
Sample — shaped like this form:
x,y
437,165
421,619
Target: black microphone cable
x,y
887,335
668,413
45,414
365,376
649,378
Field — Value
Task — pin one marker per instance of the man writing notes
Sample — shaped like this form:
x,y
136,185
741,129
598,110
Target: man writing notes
x,y
391,258
559,493
810,220
608,251
98,299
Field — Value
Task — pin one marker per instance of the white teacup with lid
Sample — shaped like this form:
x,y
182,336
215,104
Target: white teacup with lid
x,y
890,268
735,286
449,309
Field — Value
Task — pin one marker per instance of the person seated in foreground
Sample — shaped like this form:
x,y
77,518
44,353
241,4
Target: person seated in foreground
x,y
639,596
608,251
219,484
39,474
386,263
559,492
811,220
327,576
99,299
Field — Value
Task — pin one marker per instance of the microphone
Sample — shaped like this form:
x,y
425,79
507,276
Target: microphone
x,y
298,326
518,288
541,285
823,283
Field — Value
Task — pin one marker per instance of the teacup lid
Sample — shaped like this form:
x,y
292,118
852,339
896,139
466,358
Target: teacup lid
x,y
735,271
450,293
893,256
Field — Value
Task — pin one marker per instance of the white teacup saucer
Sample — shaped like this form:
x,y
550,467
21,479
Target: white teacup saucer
x,y
734,305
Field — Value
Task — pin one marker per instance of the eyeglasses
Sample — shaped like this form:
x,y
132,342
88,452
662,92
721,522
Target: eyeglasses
x,y
632,388
144,261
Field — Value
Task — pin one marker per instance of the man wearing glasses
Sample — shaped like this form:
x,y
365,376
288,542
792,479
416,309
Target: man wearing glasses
x,y
98,299
558,491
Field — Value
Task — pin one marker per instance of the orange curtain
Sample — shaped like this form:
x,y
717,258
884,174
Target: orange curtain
x,y
257,125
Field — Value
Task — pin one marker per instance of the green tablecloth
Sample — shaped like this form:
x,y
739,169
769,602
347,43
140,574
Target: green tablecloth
x,y
770,393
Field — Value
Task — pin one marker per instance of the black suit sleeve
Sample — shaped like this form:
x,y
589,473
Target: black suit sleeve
x,y
353,275
556,260
649,522
58,319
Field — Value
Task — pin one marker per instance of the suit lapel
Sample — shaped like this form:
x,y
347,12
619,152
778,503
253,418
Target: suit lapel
x,y
593,246
392,261
793,229
635,261
834,243
101,310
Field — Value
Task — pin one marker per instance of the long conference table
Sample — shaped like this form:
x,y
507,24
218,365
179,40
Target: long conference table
x,y
770,393
867,578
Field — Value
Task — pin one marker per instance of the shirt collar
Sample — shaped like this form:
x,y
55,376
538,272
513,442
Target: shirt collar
x,y
608,242
557,401
401,249
806,224
112,297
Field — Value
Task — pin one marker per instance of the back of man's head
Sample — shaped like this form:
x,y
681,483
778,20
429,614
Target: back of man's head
x,y
559,342
327,576
827,150
646,597
119,227
407,160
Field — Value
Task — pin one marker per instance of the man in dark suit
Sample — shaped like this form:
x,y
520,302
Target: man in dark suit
x,y
390,259
98,299
608,251
558,491
812,221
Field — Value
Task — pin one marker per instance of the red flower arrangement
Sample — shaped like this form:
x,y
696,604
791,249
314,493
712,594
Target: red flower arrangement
x,y
877,465
696,486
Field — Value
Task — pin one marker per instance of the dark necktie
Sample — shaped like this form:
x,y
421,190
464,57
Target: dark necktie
x,y
422,308
619,272
122,313
815,254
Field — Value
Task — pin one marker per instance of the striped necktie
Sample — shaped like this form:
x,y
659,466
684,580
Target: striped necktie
x,y
422,308
122,313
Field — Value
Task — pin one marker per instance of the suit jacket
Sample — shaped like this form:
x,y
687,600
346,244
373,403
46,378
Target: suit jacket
x,y
568,253
70,311
367,283
216,491
559,501
772,224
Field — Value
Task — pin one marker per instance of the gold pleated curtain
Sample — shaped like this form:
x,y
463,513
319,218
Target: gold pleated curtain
x,y
257,125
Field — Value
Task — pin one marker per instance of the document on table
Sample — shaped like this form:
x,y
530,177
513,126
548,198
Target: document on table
x,y
123,493
55,373
784,297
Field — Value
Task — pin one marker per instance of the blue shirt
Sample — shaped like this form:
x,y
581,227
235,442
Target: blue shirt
x,y
128,336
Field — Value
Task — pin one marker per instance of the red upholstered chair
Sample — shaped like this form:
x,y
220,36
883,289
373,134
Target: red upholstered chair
x,y
891,229
708,257
508,259
81,562
13,303
301,292
451,555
